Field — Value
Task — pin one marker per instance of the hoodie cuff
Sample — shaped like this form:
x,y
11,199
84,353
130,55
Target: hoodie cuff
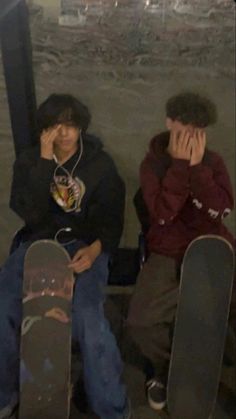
x,y
180,163
196,168
200,174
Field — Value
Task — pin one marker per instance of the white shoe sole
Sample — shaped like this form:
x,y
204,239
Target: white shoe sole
x,y
155,405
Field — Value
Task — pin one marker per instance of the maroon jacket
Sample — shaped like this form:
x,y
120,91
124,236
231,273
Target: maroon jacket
x,y
183,202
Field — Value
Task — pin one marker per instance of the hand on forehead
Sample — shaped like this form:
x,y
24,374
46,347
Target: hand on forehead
x,y
179,126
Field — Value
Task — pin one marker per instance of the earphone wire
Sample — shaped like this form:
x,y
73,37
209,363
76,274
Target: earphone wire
x,y
65,230
69,174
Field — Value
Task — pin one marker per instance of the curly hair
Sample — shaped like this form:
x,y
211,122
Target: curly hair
x,y
62,108
191,108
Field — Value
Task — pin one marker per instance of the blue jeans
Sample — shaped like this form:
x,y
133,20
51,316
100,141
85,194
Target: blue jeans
x,y
102,365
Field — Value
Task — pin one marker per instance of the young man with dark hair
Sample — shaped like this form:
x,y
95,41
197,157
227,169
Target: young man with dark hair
x,y
67,187
187,192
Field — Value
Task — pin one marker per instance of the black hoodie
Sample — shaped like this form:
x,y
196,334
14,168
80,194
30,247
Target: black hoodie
x,y
99,210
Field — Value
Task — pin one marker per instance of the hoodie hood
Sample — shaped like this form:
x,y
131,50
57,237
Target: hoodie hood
x,y
158,157
92,146
159,144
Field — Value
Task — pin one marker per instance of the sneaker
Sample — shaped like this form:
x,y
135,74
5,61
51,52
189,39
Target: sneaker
x,y
156,394
9,412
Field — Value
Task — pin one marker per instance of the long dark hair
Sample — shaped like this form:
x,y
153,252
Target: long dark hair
x,y
62,108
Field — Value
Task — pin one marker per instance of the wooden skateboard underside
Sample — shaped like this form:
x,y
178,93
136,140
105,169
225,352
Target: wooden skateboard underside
x,y
200,328
46,333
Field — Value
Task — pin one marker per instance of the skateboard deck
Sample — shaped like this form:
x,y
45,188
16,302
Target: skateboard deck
x,y
200,328
45,387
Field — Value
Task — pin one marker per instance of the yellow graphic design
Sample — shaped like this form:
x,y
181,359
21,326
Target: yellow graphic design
x,y
68,193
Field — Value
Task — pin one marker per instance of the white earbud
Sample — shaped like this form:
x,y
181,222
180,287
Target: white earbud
x,y
66,229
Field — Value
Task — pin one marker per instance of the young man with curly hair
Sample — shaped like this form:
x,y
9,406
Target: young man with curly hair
x,y
187,192
68,187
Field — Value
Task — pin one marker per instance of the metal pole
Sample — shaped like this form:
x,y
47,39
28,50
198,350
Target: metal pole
x,y
18,70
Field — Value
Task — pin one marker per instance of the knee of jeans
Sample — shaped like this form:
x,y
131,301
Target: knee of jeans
x,y
10,314
87,315
17,257
13,269
87,295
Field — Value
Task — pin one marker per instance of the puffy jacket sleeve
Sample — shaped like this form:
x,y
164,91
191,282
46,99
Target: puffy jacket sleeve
x,y
30,189
211,189
164,196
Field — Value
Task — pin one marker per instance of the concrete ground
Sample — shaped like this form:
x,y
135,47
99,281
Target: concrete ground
x,y
116,308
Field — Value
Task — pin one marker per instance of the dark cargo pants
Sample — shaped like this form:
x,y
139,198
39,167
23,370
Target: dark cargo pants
x,y
152,311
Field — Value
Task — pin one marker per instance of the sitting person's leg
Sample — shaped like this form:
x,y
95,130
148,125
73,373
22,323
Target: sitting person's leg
x,y
11,276
150,320
101,358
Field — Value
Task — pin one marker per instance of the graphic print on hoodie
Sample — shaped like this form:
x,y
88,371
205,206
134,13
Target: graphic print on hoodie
x,y
68,192
88,198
